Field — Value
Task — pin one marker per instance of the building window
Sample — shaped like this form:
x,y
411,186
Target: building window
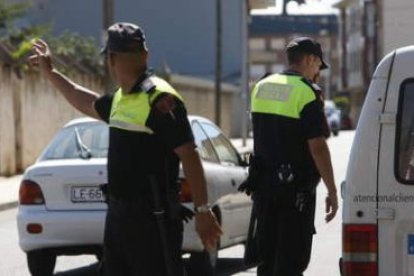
x,y
225,151
277,44
204,146
257,44
277,68
257,70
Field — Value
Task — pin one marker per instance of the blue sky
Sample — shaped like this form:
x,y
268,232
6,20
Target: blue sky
x,y
311,7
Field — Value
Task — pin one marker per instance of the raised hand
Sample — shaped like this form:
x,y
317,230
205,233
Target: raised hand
x,y
41,57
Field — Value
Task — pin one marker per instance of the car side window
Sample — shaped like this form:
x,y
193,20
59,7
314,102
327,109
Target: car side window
x,y
404,158
204,147
225,150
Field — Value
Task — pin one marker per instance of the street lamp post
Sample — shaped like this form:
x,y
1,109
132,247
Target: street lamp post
x,y
245,70
217,106
108,13
107,20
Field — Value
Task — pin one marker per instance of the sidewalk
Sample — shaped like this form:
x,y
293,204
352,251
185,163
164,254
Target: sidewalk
x,y
9,191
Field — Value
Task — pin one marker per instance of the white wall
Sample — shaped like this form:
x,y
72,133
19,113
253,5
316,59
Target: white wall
x,y
7,126
32,111
398,22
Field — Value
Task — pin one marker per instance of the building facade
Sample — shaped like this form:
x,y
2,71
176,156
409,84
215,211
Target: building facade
x,y
395,23
357,55
180,33
270,34
370,29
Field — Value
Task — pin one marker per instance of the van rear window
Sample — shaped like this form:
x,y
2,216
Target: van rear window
x,y
404,158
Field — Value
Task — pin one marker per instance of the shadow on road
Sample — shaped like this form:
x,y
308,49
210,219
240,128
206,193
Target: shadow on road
x,y
90,270
225,267
230,266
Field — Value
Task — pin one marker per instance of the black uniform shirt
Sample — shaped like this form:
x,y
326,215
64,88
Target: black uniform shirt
x,y
134,156
280,140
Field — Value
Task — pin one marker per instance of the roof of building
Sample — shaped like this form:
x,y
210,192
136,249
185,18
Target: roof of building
x,y
262,25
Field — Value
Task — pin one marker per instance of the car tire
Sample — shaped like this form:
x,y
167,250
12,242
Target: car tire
x,y
41,262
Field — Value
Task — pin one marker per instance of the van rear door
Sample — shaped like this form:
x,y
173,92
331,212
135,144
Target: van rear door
x,y
395,197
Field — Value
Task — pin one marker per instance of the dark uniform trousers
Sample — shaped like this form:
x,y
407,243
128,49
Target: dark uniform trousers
x,y
284,231
132,243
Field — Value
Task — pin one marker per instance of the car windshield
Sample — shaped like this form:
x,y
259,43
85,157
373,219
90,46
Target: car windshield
x,y
330,106
329,110
72,142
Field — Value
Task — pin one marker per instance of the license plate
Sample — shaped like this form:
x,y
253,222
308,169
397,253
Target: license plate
x,y
87,194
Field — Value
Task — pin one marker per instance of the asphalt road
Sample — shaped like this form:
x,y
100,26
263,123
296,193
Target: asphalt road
x,y
325,254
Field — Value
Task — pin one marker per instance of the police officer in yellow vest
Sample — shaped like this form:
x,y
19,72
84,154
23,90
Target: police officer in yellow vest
x,y
149,135
290,157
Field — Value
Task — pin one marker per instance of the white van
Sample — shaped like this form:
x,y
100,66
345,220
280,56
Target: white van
x,y
378,194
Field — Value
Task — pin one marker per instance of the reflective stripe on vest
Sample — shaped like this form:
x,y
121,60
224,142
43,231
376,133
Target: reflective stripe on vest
x,y
282,95
130,111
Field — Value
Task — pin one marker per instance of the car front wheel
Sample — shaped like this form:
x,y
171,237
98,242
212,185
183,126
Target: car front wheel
x,y
41,262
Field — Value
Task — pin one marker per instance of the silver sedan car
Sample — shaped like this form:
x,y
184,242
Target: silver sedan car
x,y
62,208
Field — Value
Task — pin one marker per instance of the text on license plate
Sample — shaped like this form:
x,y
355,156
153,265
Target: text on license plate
x,y
87,194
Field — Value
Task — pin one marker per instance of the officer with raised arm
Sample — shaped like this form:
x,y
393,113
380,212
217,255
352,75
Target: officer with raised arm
x,y
149,135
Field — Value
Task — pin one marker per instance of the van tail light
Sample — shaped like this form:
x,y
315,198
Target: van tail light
x,y
359,250
30,193
186,192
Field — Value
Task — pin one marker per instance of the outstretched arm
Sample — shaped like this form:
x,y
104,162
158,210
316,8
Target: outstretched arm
x,y
78,96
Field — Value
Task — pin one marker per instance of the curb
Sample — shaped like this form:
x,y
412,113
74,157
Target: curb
x,y
8,205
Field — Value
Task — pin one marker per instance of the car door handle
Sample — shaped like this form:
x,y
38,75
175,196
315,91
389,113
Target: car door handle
x,y
233,183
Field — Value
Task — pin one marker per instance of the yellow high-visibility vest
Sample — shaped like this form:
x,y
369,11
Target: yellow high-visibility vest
x,y
283,95
130,111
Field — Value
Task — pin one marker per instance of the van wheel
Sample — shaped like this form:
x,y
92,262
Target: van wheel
x,y
41,262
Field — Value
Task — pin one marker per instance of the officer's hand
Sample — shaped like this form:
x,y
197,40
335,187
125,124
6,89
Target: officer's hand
x,y
331,203
245,187
186,214
208,229
42,56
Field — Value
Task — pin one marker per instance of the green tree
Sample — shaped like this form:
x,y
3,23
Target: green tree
x,y
15,41
74,53
10,11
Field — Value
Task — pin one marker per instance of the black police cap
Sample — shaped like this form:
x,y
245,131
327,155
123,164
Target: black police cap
x,y
124,37
307,45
